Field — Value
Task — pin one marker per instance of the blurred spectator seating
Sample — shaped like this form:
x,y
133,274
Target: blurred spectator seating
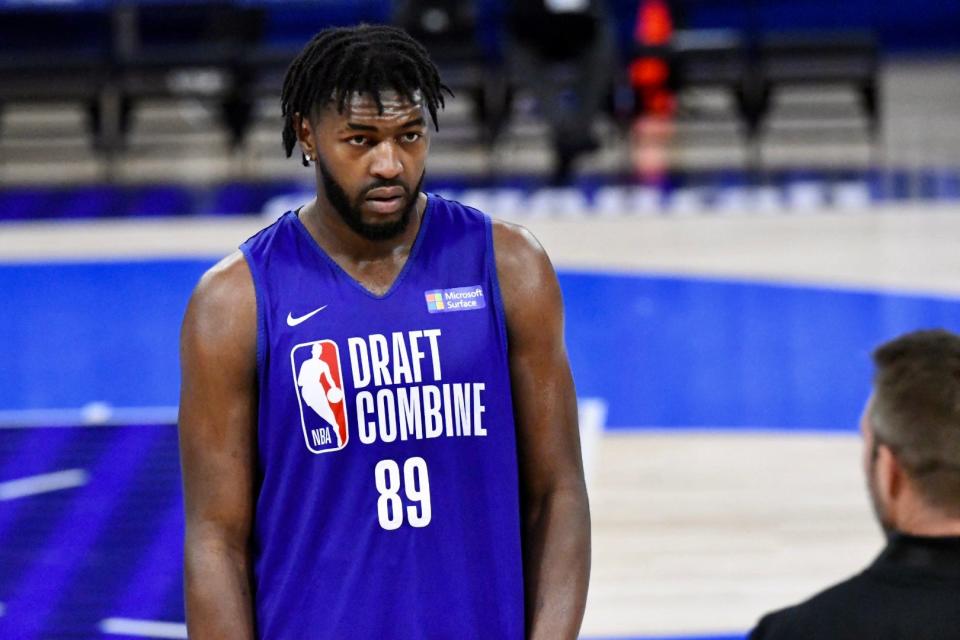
x,y
451,31
187,50
817,58
52,56
564,52
753,70
110,56
708,58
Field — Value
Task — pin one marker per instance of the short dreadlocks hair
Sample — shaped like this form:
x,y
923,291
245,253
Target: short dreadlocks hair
x,y
341,61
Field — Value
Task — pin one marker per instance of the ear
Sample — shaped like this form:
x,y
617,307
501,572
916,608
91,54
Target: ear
x,y
890,477
304,130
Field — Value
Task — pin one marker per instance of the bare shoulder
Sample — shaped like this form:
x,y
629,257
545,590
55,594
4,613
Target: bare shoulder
x,y
521,259
229,277
528,281
223,304
516,247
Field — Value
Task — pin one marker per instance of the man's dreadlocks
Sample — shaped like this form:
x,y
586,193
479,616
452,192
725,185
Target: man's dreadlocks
x,y
341,61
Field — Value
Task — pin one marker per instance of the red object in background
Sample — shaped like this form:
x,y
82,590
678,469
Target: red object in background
x,y
648,74
654,25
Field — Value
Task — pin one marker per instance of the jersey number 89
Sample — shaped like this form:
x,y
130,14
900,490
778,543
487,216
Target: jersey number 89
x,y
416,486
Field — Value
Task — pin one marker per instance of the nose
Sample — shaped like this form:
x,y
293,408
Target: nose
x,y
386,161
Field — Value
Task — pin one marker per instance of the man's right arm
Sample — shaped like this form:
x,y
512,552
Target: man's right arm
x,y
218,414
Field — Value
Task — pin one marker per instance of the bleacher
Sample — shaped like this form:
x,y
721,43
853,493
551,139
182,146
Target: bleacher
x,y
111,56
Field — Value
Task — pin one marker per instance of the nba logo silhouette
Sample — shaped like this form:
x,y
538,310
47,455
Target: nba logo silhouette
x,y
318,383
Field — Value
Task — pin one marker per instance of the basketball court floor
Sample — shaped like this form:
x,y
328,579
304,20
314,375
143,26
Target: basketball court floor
x,y
721,363
721,355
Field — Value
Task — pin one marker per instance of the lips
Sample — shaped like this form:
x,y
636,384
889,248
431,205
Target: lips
x,y
385,200
385,193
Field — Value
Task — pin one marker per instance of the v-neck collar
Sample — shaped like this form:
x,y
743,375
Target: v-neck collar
x,y
424,220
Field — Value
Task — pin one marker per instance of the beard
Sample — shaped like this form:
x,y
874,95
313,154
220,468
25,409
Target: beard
x,y
350,211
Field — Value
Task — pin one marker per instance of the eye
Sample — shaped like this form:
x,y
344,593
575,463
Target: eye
x,y
357,141
411,136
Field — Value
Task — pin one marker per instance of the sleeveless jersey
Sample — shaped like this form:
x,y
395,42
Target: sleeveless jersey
x,y
388,496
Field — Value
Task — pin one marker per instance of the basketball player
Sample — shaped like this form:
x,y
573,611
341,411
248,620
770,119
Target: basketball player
x,y
455,506
911,432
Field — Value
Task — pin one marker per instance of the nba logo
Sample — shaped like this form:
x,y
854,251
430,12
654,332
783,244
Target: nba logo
x,y
318,383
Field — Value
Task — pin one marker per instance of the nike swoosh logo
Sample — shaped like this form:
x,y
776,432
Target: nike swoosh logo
x,y
292,322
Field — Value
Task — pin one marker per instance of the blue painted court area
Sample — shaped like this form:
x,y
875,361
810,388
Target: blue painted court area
x,y
107,547
662,351
681,352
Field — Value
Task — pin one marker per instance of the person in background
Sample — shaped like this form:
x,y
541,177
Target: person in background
x,y
911,438
564,51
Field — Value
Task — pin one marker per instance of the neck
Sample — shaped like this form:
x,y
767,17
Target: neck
x,y
922,520
332,233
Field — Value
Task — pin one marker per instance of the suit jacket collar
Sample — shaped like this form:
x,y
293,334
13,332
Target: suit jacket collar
x,y
920,557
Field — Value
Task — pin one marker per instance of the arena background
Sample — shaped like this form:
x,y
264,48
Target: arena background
x,y
724,288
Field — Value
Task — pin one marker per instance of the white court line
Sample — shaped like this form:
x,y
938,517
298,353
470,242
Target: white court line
x,y
143,628
592,414
44,483
95,414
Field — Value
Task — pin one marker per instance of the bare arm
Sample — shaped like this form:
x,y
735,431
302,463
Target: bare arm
x,y
556,515
218,406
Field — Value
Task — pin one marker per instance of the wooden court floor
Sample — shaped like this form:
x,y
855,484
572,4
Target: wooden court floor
x,y
697,530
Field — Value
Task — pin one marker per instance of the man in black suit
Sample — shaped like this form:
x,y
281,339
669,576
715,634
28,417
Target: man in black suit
x,y
911,432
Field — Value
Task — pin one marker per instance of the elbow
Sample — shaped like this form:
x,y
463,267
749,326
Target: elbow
x,y
567,500
208,542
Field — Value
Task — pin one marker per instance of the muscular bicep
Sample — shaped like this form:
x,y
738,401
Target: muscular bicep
x,y
218,403
543,393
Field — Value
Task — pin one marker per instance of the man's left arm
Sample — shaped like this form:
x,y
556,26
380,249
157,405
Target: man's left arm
x,y
555,512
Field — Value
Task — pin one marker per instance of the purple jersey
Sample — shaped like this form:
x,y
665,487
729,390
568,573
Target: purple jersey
x,y
387,498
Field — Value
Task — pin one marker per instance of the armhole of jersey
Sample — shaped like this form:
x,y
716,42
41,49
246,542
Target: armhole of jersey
x,y
495,284
261,313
